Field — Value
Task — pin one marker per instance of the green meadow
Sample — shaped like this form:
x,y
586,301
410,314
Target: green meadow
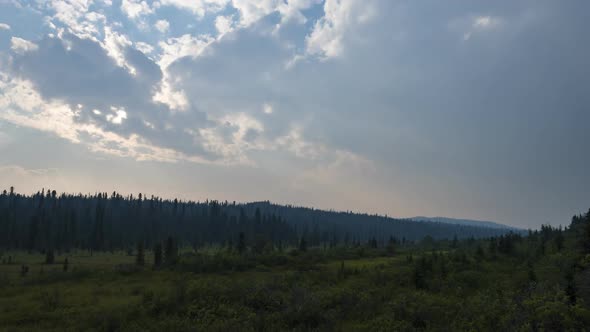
x,y
340,289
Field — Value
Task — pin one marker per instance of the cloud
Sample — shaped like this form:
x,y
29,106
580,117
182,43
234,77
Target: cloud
x,y
135,9
4,26
325,40
162,26
481,23
118,115
223,24
21,171
115,45
198,7
183,46
325,93
25,107
249,11
22,46
145,48
267,108
76,16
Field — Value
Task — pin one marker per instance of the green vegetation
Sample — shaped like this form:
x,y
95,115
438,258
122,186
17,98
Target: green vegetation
x,y
90,275
533,283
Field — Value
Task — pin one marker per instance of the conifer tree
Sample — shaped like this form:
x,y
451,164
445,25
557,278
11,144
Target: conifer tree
x,y
455,242
171,251
49,257
140,258
391,246
559,240
158,254
242,243
303,244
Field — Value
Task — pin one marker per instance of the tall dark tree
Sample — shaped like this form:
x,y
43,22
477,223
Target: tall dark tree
x,y
570,286
171,251
33,231
49,256
158,254
140,257
391,245
455,242
559,240
303,244
242,243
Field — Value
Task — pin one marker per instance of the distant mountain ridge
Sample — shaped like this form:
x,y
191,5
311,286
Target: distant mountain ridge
x,y
465,222
365,226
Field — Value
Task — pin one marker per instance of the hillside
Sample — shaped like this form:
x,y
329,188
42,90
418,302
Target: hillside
x,y
466,222
106,222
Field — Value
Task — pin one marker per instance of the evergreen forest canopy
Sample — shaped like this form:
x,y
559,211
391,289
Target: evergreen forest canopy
x,y
103,222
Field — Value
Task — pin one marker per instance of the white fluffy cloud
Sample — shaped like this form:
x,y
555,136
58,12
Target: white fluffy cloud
x,y
76,16
199,7
162,25
224,24
185,45
4,26
144,47
21,46
340,15
25,107
115,44
135,9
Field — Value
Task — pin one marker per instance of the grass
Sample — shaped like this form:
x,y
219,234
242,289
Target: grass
x,y
352,294
93,287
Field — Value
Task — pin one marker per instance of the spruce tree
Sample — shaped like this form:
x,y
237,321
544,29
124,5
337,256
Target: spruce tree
x,y
559,240
391,246
140,258
49,257
158,255
242,243
455,242
303,244
171,251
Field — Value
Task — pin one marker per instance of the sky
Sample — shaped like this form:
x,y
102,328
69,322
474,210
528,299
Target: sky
x,y
459,108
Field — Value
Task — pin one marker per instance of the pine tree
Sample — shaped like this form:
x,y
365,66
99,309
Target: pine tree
x,y
492,247
479,253
24,269
570,288
391,246
158,255
532,275
341,271
559,240
49,257
373,243
140,258
586,236
171,251
242,243
303,244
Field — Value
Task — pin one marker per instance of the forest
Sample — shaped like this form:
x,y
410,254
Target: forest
x,y
103,222
107,262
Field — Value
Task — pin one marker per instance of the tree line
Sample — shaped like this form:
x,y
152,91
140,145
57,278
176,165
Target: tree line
x,y
102,222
